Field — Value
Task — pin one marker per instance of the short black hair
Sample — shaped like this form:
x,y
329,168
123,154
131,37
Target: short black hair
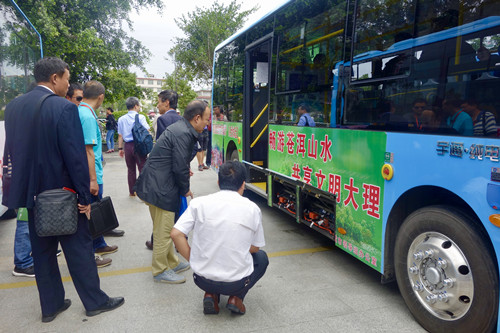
x,y
304,107
171,96
72,88
193,109
419,100
471,101
93,89
46,67
232,174
454,101
131,102
110,109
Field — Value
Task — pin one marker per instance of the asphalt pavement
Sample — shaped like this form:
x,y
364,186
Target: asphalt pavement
x,y
309,286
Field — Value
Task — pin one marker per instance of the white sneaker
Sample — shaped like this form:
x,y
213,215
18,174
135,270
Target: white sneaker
x,y
183,266
169,277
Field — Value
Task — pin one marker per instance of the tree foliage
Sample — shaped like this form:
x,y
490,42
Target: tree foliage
x,y
88,35
204,30
179,81
120,84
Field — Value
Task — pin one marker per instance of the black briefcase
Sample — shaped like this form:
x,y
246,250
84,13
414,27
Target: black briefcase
x,y
102,217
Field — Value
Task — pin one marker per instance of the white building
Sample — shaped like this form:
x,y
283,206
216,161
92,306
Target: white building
x,y
150,83
204,94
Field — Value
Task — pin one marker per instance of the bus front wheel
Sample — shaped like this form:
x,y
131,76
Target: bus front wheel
x,y
445,271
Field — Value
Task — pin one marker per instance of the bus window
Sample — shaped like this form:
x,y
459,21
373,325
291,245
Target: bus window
x,y
308,50
234,94
290,63
441,61
18,55
220,78
379,25
286,107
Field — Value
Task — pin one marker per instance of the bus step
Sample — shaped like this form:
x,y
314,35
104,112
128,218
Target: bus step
x,y
259,188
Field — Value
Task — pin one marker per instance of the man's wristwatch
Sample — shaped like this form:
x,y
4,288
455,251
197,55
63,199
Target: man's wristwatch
x,y
120,148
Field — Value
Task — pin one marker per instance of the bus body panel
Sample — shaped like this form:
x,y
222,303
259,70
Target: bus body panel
x,y
346,163
450,163
226,136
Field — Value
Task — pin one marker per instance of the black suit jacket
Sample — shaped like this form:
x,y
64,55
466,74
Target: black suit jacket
x,y
165,176
62,160
166,120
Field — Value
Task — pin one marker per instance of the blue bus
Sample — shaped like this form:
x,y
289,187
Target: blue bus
x,y
20,49
402,167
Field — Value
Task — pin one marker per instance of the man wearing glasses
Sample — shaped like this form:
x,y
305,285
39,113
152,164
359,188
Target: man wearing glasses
x,y
419,105
75,93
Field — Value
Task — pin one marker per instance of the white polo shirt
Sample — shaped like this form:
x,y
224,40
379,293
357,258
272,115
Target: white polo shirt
x,y
224,225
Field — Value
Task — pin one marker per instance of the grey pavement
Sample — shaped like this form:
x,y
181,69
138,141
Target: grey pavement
x,y
309,285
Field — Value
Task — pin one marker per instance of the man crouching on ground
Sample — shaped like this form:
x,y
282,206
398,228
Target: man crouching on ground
x,y
227,235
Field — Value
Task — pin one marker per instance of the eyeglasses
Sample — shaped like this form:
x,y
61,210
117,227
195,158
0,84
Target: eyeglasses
x,y
79,98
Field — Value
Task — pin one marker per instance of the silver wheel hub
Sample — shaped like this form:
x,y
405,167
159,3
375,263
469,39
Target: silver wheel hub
x,y
440,276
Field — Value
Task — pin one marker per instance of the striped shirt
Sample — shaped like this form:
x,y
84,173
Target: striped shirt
x,y
485,124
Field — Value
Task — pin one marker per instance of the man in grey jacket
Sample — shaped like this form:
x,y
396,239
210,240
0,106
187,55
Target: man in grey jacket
x,y
163,180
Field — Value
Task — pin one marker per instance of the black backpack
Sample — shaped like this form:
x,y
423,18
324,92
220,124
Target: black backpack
x,y
143,141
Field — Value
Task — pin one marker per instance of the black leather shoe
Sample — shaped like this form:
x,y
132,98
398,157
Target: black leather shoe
x,y
111,304
149,245
48,319
114,233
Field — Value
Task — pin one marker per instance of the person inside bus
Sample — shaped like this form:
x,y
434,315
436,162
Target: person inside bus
x,y
429,120
414,118
219,113
305,119
456,117
387,112
484,121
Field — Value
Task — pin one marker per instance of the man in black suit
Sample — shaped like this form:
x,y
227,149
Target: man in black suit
x,y
167,105
56,140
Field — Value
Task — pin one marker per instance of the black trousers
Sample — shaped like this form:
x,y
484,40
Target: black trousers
x,y
237,288
79,256
208,160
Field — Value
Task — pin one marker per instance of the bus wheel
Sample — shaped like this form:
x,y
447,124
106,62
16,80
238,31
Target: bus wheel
x,y
234,155
445,271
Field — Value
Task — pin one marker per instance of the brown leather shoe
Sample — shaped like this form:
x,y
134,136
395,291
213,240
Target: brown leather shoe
x,y
235,304
102,262
210,304
106,250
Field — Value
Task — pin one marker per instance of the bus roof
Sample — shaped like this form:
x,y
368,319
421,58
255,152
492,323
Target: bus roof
x,y
251,25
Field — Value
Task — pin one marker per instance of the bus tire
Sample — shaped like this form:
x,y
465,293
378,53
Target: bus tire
x,y
454,286
234,156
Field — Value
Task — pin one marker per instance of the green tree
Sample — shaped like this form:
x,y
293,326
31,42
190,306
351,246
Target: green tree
x,y
179,82
88,35
120,84
205,29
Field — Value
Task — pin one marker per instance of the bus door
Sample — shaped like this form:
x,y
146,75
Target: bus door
x,y
256,115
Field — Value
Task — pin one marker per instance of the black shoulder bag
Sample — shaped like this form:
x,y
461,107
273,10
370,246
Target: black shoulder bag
x,y
56,210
